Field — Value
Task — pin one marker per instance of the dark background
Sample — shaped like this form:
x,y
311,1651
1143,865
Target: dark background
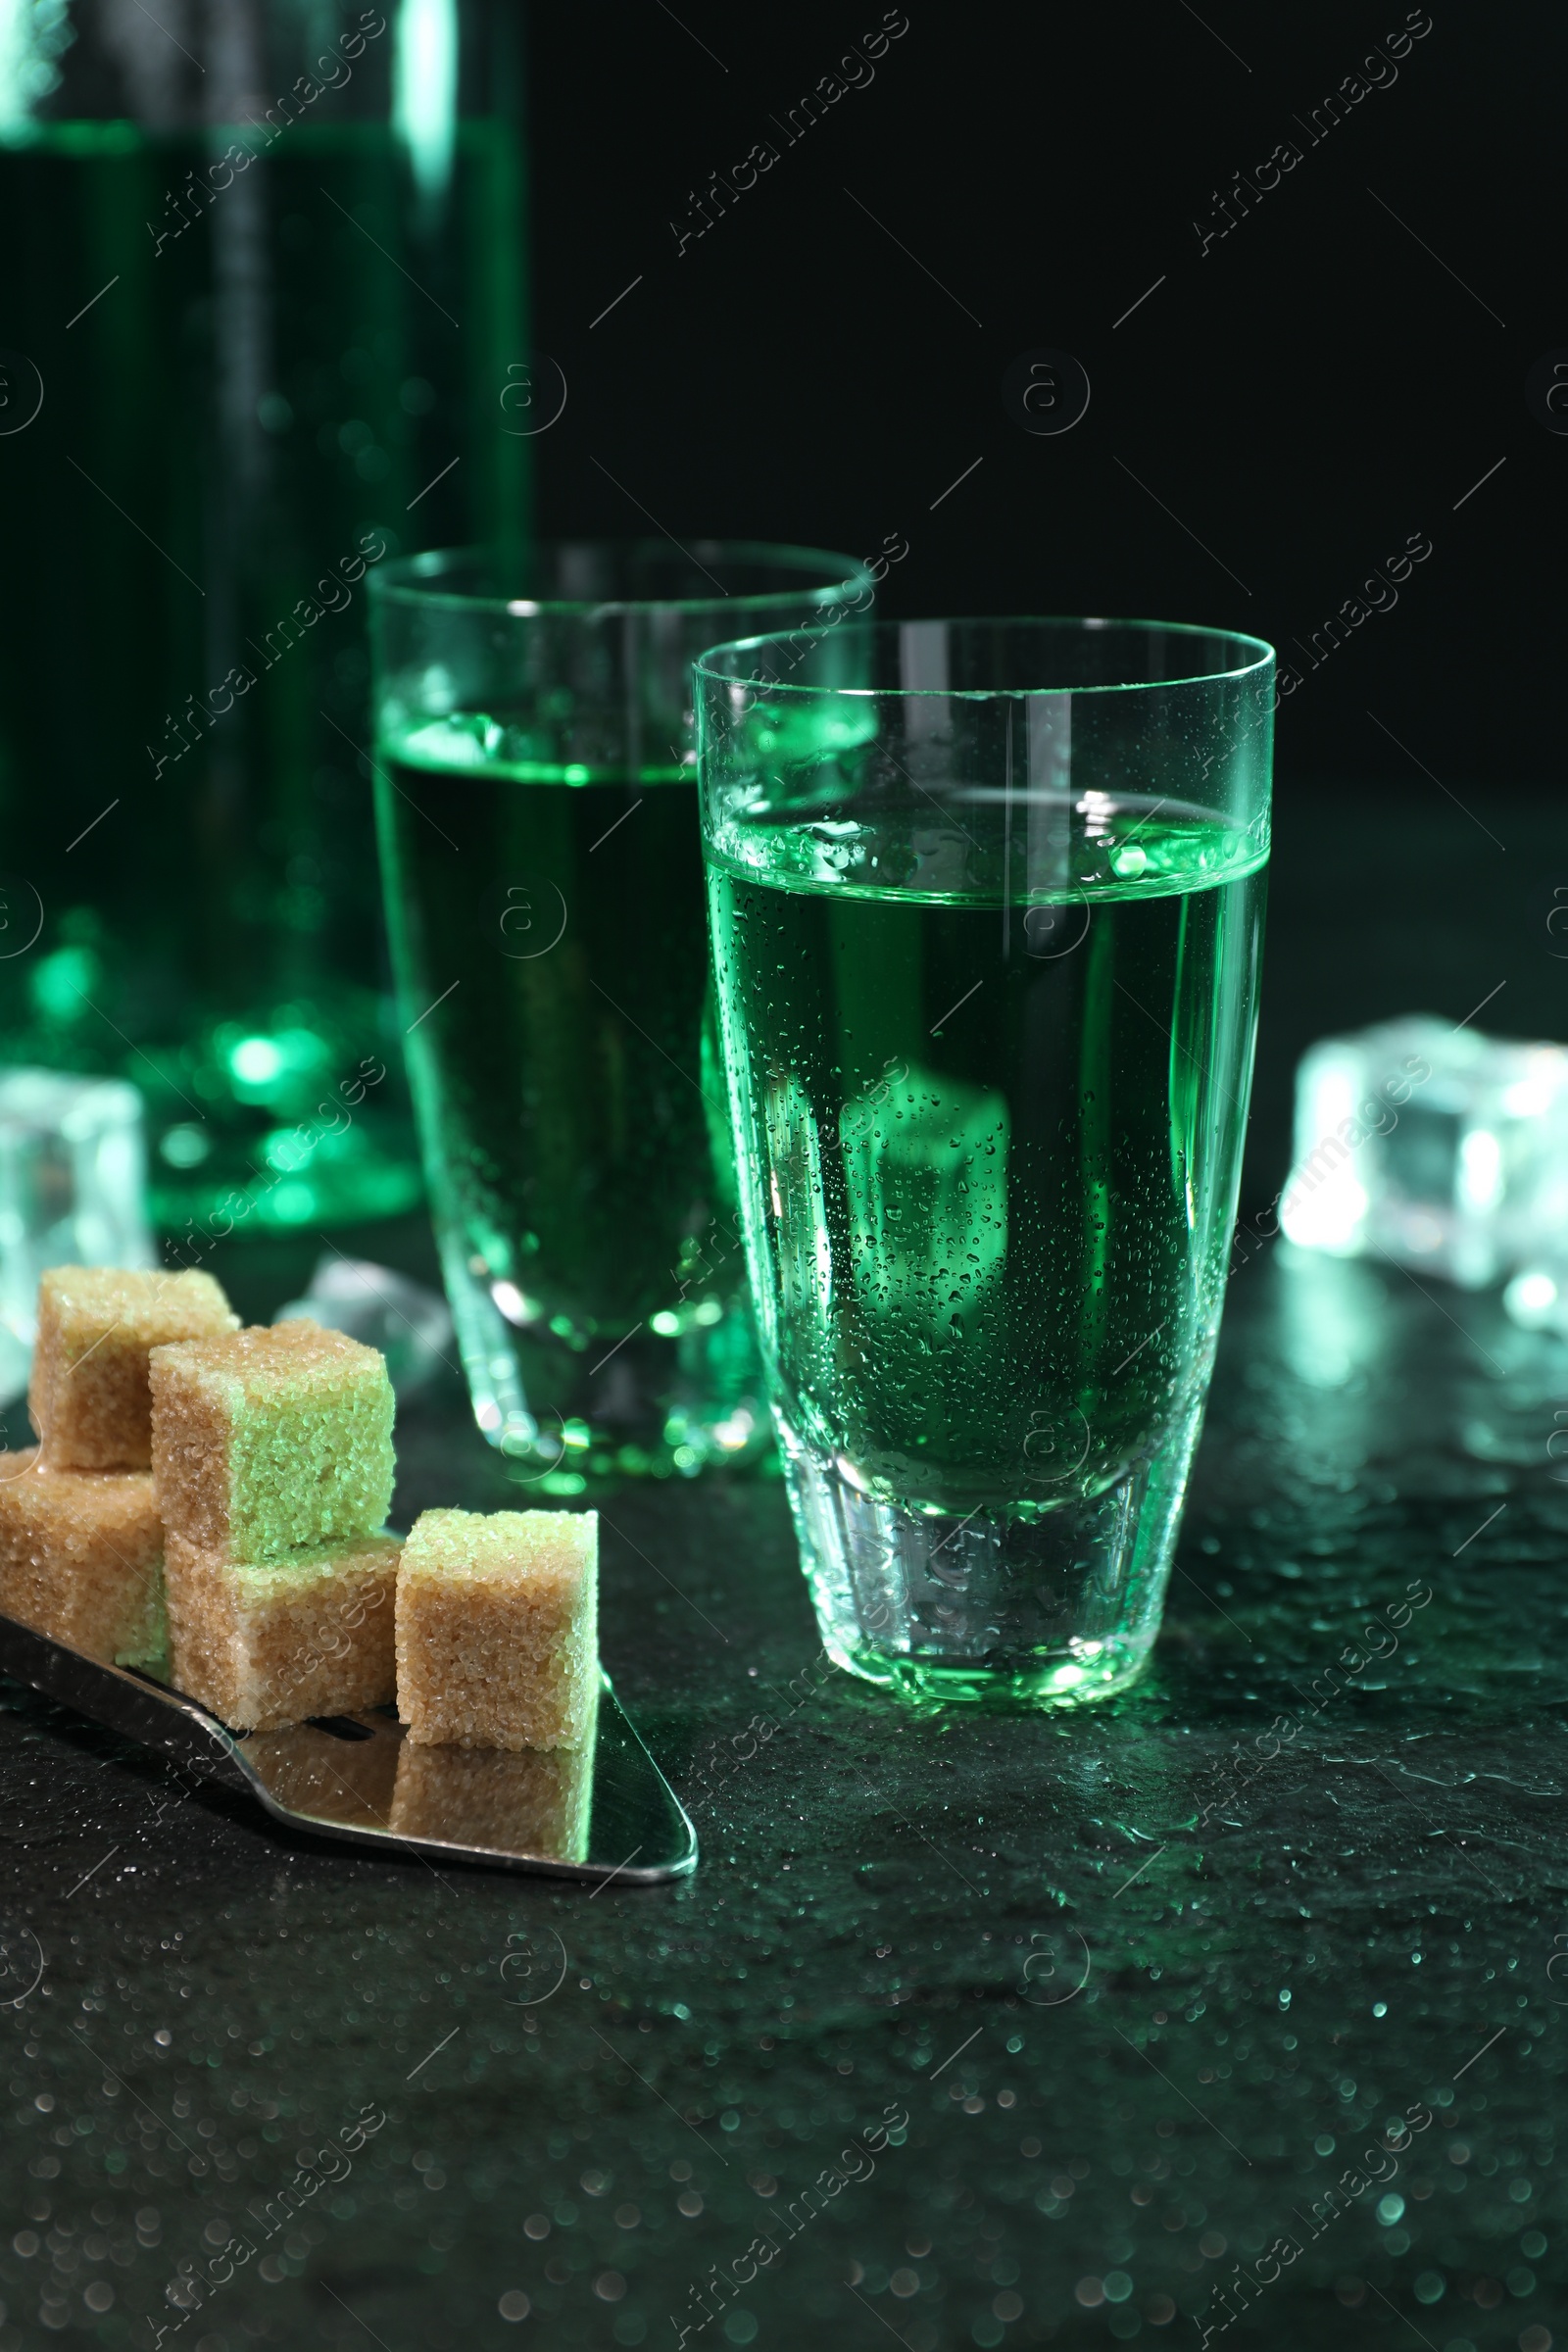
x,y
1296,402
1380,1919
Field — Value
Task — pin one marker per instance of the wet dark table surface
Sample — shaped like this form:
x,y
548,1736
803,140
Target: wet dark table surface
x,y
1244,1994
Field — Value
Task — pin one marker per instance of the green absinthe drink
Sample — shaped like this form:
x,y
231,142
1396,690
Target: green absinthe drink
x,y
986,966
554,929
1000,1273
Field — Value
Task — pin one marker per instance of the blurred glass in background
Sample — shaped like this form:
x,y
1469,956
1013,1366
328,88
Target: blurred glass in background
x,y
267,325
537,807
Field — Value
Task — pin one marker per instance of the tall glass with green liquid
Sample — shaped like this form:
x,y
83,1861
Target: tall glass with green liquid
x,y
537,812
987,904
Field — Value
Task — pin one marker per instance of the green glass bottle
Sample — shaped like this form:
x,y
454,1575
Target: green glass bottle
x,y
268,317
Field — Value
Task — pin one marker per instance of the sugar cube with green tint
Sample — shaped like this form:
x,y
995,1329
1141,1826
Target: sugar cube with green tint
x,y
271,1440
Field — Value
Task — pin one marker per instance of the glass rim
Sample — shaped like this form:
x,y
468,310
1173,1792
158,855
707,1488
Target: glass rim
x,y
828,577
1263,655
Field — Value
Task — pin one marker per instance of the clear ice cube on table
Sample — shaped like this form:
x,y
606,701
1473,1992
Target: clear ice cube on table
x,y
72,1191
1431,1145
411,1325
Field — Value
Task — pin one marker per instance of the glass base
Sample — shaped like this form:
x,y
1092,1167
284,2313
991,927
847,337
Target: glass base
x,y
1056,1609
567,1417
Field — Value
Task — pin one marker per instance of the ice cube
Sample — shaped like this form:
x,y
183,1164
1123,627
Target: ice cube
x,y
1431,1145
72,1191
411,1325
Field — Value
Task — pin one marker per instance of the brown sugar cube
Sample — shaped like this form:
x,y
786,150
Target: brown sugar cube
x,y
81,1555
88,1395
271,1439
263,1645
497,1629
524,1802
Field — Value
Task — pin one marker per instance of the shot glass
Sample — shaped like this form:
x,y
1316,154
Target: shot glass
x,y
536,808
987,905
